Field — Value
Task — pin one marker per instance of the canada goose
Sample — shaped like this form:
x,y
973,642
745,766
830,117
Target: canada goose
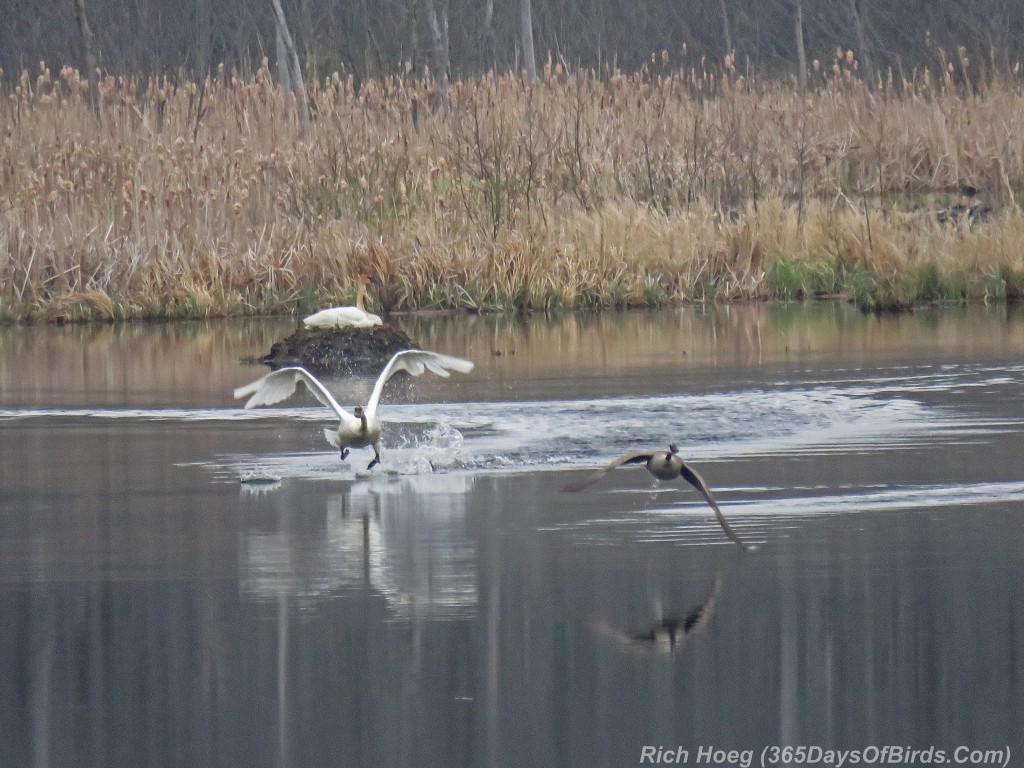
x,y
345,317
664,465
361,428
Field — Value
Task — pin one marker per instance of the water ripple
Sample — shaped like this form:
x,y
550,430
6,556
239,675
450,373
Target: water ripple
x,y
762,520
857,414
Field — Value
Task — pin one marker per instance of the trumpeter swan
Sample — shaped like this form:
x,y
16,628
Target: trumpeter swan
x,y
664,465
345,317
361,428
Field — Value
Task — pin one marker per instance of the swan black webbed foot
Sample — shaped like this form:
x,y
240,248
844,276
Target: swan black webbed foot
x,y
374,463
344,453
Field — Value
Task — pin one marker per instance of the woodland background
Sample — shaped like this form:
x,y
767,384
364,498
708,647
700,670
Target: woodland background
x,y
370,38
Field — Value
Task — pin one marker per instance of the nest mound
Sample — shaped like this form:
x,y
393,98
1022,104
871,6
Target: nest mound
x,y
342,351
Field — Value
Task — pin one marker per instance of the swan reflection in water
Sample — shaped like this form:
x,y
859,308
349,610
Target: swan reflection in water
x,y
405,540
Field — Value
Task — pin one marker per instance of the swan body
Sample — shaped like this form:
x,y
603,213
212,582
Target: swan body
x,y
342,317
345,317
361,428
664,465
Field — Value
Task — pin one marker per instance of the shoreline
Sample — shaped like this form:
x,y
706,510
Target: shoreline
x,y
198,200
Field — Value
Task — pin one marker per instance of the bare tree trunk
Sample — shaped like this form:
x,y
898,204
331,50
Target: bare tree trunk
x,y
526,33
439,41
311,39
414,38
489,16
284,72
298,86
726,31
371,53
801,52
862,42
439,35
203,38
447,42
89,54
489,33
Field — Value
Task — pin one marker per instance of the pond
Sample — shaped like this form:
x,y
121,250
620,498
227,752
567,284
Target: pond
x,y
454,607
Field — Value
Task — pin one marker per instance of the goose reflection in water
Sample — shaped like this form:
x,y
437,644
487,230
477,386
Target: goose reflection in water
x,y
667,634
664,465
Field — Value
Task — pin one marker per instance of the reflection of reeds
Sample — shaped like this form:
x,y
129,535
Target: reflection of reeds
x,y
197,199
196,363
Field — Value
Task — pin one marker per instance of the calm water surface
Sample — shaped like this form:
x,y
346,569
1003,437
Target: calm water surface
x,y
452,607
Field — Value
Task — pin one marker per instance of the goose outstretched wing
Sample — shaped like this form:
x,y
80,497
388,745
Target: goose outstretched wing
x,y
691,476
635,457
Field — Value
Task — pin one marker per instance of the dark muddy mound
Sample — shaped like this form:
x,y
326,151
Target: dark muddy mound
x,y
360,351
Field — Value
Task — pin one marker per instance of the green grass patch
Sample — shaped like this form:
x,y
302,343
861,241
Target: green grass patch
x,y
884,290
792,279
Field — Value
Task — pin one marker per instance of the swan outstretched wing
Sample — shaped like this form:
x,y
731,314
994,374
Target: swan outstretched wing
x,y
415,362
691,476
636,457
280,385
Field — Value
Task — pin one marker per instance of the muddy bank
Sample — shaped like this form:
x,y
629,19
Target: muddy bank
x,y
339,350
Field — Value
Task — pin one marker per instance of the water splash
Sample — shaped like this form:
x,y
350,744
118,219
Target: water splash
x,y
853,413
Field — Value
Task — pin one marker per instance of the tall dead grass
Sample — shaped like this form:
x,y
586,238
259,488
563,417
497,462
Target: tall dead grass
x,y
668,185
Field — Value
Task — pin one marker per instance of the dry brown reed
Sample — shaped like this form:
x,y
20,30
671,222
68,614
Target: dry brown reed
x,y
664,186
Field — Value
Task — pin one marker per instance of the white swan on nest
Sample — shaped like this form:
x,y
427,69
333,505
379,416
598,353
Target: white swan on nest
x,y
361,428
345,317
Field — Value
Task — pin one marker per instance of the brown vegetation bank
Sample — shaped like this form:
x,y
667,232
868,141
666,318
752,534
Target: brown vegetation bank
x,y
673,184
